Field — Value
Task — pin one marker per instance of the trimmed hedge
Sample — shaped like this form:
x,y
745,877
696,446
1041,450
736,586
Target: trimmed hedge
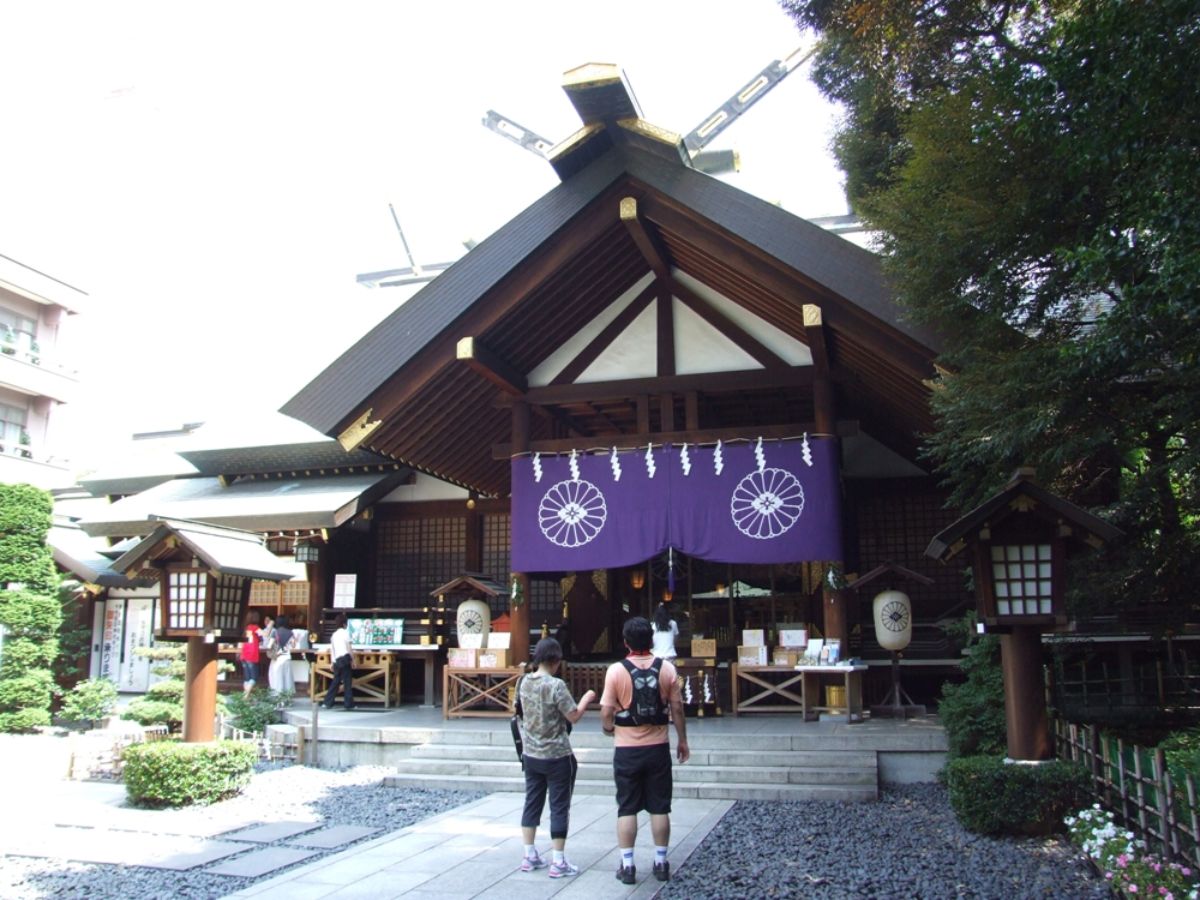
x,y
990,796
26,514
170,773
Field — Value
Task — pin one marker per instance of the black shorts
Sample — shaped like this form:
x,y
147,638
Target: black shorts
x,y
643,777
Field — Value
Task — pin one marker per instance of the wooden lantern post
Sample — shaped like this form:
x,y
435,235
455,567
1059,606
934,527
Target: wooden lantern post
x,y
1018,542
518,606
204,574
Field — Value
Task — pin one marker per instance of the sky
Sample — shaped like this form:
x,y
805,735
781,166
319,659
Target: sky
x,y
215,175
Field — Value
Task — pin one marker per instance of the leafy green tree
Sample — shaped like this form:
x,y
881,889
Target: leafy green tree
x,y
1031,168
29,609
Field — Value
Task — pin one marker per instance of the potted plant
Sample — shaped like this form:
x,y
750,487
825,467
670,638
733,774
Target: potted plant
x,y
25,442
9,338
34,353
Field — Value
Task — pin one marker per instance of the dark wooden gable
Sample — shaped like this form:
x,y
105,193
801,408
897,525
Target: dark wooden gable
x,y
413,388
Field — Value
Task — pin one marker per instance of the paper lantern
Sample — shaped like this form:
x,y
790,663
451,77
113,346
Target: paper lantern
x,y
893,619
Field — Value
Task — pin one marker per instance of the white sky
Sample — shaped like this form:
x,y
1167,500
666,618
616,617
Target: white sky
x,y
215,175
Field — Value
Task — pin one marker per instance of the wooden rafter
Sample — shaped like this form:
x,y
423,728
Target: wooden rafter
x,y
706,382
666,331
730,329
647,243
491,366
607,335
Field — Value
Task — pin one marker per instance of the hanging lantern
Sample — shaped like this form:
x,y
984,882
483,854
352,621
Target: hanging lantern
x,y
308,552
637,578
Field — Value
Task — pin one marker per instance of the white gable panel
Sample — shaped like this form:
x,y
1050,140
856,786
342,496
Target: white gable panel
x,y
634,354
557,361
794,352
699,347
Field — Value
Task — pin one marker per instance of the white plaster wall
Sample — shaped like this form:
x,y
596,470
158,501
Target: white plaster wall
x,y
425,487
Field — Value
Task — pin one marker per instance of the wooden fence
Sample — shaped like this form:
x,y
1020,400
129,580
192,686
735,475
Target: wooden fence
x,y
1135,783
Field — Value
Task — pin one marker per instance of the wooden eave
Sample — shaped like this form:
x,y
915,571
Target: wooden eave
x,y
542,277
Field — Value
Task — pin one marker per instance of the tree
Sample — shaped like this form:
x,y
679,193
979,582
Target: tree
x,y
30,613
1031,169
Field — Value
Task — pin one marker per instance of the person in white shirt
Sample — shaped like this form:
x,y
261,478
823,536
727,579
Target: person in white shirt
x,y
343,671
665,631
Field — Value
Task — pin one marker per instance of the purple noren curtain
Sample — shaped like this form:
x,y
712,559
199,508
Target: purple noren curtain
x,y
603,514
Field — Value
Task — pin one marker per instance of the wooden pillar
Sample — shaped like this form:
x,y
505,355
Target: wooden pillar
x,y
1025,695
833,602
519,614
200,691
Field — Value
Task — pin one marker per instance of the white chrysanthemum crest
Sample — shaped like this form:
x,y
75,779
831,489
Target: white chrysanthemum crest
x,y
537,467
759,456
718,459
574,464
806,451
616,465
685,461
650,468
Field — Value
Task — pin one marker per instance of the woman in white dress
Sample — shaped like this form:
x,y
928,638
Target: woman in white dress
x,y
665,631
279,675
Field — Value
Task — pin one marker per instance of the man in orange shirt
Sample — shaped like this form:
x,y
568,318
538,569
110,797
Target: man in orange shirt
x,y
638,691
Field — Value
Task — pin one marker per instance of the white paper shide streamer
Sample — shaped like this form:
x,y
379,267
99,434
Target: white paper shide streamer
x,y
574,465
650,468
759,456
718,459
685,461
537,467
806,451
616,465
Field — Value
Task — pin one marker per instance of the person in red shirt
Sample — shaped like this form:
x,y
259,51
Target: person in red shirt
x,y
248,653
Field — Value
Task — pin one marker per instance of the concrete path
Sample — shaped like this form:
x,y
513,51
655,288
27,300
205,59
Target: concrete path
x,y
475,851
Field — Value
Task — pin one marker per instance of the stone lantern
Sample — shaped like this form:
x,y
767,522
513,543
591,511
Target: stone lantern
x,y
204,574
1018,542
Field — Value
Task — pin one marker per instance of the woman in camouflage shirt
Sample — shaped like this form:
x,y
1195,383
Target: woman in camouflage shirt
x,y
547,714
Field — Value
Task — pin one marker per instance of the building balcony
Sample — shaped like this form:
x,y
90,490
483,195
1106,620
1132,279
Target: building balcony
x,y
24,368
23,464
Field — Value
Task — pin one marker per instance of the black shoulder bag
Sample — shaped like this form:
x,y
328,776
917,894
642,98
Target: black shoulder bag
x,y
515,724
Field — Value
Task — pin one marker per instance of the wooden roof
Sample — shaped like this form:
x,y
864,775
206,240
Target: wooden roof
x,y
554,268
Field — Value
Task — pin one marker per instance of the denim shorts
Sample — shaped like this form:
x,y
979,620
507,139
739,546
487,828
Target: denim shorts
x,y
249,671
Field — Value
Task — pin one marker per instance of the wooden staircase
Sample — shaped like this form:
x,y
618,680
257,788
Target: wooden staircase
x,y
722,767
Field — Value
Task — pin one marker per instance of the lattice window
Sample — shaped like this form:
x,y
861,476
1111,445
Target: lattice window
x,y
187,597
264,593
545,596
294,593
227,602
414,556
1021,576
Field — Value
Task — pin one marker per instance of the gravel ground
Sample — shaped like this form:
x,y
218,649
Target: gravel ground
x,y
908,845
347,797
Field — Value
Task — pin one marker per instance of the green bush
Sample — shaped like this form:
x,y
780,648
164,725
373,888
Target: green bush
x,y
32,690
89,701
154,712
170,773
24,720
26,514
256,710
973,712
990,796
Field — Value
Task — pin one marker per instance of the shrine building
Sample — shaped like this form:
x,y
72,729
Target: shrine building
x,y
649,385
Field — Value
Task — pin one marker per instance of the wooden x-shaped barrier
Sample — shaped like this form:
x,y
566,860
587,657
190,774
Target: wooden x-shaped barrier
x,y
759,675
376,677
478,692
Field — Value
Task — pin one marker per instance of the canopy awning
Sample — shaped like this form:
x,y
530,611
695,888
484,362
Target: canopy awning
x,y
225,550
80,555
260,504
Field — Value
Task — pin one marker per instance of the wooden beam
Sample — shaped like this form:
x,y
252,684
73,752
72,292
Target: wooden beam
x,y
646,243
643,414
491,366
666,412
607,335
706,382
738,335
702,436
691,411
666,331
824,410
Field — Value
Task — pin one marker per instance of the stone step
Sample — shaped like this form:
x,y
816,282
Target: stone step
x,y
699,790
683,773
704,756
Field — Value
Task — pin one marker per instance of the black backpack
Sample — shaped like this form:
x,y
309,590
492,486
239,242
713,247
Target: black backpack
x,y
646,707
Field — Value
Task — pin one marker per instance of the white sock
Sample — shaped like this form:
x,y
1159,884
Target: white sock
x,y
627,858
560,857
530,851
660,854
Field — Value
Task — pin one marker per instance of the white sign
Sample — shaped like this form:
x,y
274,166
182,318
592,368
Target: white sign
x,y
343,590
499,640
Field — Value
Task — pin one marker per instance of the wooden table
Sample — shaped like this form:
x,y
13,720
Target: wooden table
x,y
852,680
478,692
375,676
773,683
